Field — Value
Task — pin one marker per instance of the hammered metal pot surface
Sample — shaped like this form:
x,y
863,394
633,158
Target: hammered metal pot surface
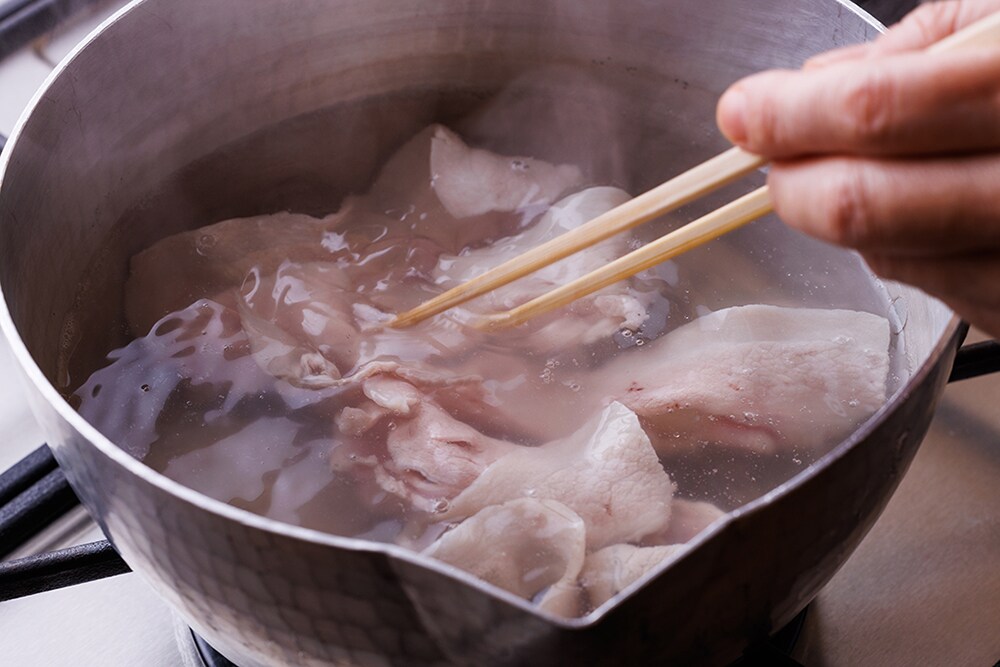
x,y
183,112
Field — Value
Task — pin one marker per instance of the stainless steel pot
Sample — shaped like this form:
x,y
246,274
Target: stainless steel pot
x,y
182,112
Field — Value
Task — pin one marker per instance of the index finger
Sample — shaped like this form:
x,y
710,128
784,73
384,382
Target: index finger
x,y
922,27
930,23
912,103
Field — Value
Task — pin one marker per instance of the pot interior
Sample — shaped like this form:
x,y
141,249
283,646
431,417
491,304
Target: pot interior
x,y
185,113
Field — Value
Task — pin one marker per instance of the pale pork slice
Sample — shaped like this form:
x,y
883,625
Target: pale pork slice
x,y
282,356
607,472
431,455
759,378
402,192
563,216
533,548
610,570
505,399
457,196
300,322
474,181
586,320
436,456
439,456
180,269
308,326
687,519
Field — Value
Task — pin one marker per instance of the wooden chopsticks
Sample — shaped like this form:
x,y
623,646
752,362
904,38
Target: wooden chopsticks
x,y
735,214
688,186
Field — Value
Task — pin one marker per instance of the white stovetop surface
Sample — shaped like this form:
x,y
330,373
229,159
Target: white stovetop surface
x,y
922,589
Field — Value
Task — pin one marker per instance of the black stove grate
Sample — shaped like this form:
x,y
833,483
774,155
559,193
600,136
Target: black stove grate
x,y
22,21
775,652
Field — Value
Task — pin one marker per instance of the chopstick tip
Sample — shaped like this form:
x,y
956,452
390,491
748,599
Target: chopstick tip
x,y
403,320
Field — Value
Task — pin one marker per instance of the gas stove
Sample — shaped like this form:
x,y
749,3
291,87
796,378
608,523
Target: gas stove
x,y
922,589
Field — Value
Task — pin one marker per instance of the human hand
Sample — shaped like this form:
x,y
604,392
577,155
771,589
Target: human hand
x,y
891,151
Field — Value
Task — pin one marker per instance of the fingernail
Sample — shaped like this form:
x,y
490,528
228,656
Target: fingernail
x,y
731,115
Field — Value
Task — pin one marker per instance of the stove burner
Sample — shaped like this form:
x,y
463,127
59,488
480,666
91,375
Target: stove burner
x,y
775,652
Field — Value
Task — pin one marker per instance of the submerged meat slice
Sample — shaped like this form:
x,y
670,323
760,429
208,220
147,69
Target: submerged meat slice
x,y
178,270
308,326
456,196
436,456
282,356
606,472
586,320
431,455
473,181
436,194
607,572
565,215
532,548
300,322
760,378
505,398
687,519
440,456
198,357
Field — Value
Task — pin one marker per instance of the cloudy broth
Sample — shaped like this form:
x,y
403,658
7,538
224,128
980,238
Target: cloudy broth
x,y
264,372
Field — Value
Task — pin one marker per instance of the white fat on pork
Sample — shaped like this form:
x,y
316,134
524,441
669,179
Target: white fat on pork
x,y
457,196
533,548
586,320
610,570
607,472
760,378
473,181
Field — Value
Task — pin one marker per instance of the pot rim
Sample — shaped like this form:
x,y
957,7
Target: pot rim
x,y
205,503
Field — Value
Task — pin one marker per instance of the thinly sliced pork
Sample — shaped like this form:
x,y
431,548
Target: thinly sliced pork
x,y
202,263
436,456
473,181
607,572
760,378
431,455
279,332
606,472
586,320
687,519
457,196
533,548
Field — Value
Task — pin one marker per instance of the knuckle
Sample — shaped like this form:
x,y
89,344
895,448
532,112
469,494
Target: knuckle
x,y
849,217
869,108
766,106
761,121
761,130
933,20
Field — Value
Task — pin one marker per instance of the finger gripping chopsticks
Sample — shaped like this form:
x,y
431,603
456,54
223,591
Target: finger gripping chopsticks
x,y
678,191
